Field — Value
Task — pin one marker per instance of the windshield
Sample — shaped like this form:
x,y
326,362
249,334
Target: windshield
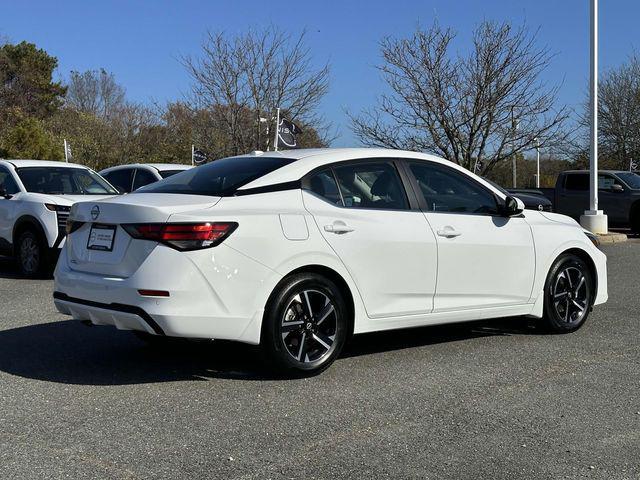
x,y
168,173
217,179
64,181
631,179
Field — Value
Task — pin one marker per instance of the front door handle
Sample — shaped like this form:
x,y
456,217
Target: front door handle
x,y
448,232
338,227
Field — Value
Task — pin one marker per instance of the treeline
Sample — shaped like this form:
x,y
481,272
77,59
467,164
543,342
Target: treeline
x,y
237,84
479,107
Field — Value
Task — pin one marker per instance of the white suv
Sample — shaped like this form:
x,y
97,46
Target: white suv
x,y
127,178
35,199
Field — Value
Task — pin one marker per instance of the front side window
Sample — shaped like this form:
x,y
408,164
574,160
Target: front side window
x,y
631,179
371,185
220,178
7,183
64,181
142,178
606,182
121,179
445,190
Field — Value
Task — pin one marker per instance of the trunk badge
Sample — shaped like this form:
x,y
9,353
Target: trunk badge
x,y
95,212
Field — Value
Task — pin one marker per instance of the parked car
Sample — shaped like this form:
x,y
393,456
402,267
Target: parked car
x,y
532,199
297,250
35,199
127,178
618,196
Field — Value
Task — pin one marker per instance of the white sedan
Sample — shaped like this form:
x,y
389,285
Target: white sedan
x,y
297,250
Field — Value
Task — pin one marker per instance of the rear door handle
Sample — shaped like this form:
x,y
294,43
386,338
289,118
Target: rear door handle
x,y
448,232
338,227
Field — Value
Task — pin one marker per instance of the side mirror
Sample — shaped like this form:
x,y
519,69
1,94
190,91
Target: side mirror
x,y
4,194
617,188
512,206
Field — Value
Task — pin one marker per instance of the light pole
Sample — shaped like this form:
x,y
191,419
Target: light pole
x,y
514,166
593,219
537,162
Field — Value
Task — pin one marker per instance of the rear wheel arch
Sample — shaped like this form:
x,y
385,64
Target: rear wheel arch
x,y
331,275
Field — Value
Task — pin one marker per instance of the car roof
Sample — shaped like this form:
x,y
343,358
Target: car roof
x,y
40,163
310,159
158,166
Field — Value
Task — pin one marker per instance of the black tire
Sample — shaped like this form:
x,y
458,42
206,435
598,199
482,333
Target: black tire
x,y
568,294
635,220
32,254
306,314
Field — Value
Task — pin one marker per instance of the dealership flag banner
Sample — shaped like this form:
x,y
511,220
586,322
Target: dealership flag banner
x,y
198,157
286,133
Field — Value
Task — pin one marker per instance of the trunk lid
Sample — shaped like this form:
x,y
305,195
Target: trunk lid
x,y
126,253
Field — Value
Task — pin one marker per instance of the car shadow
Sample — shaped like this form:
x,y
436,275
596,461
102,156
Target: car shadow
x,y
9,270
72,353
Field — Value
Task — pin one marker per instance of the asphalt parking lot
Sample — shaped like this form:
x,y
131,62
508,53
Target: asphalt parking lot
x,y
490,400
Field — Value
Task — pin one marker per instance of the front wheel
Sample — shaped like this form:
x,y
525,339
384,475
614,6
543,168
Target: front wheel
x,y
569,294
31,254
305,324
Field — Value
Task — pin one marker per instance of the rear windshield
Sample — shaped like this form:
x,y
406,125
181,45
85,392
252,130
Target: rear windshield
x,y
217,179
64,181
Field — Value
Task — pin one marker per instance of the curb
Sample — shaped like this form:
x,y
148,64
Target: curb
x,y
612,237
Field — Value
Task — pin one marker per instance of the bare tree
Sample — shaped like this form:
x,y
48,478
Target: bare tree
x,y
475,110
95,92
240,79
619,114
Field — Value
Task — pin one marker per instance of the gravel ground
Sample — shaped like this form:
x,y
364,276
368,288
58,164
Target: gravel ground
x,y
479,400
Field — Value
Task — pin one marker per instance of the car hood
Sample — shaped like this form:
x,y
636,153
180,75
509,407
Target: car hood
x,y
66,200
532,199
559,218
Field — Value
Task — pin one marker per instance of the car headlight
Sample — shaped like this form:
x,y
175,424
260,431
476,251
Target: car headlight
x,y
594,238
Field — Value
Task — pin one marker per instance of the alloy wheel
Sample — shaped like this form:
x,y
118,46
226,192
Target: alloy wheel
x,y
29,255
309,325
571,295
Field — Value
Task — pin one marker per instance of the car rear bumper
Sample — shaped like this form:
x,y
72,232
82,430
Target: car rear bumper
x,y
214,293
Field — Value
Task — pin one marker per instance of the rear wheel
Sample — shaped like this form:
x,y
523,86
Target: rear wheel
x,y
569,294
305,324
31,254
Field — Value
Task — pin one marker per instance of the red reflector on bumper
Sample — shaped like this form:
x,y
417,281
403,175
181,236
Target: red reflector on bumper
x,y
153,293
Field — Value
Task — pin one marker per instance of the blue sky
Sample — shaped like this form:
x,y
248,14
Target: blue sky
x,y
140,41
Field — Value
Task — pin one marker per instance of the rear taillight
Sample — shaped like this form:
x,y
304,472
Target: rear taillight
x,y
183,236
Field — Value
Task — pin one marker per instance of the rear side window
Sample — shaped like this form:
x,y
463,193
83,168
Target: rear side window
x,y
142,178
121,179
218,179
324,185
7,182
371,185
577,182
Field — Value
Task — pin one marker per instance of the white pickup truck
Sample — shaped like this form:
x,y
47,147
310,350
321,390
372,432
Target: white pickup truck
x,y
35,199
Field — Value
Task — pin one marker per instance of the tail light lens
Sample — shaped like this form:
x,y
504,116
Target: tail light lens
x,y
183,236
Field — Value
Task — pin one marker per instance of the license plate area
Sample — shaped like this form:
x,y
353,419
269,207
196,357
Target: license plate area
x,y
101,237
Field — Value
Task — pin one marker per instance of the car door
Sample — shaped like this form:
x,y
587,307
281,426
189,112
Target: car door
x,y
613,198
363,212
573,197
7,207
484,259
